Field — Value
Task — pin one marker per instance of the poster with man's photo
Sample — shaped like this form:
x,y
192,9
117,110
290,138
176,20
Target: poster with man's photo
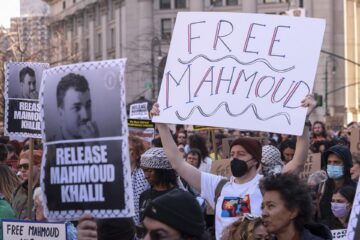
x,y
22,108
85,166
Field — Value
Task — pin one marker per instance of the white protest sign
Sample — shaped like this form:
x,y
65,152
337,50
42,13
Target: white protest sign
x,y
237,70
353,229
339,234
139,111
29,230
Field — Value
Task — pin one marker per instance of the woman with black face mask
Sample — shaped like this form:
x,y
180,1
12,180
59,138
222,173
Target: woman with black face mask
x,y
241,194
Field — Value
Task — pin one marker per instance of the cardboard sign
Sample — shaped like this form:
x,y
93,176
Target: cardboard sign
x,y
22,108
334,122
339,234
21,230
312,164
139,111
85,165
239,70
355,140
353,229
221,168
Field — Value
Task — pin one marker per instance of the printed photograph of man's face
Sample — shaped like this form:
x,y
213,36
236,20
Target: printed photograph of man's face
x,y
74,108
28,84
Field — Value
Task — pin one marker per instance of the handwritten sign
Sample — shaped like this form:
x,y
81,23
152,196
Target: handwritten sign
x,y
334,122
221,168
339,234
353,229
85,165
312,164
355,140
29,230
139,111
243,71
22,108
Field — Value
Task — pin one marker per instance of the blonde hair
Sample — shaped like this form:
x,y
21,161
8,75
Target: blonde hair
x,y
8,182
241,229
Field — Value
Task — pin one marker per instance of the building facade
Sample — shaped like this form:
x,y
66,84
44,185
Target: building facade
x,y
140,30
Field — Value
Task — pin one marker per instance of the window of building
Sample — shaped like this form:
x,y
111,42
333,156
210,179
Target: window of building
x,y
87,49
111,9
112,38
166,28
180,3
273,1
64,4
216,3
165,4
74,1
232,2
99,44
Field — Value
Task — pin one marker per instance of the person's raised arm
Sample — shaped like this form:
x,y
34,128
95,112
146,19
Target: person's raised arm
x,y
191,174
296,165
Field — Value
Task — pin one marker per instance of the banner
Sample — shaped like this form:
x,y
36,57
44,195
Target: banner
x,y
239,70
22,108
85,166
21,230
312,164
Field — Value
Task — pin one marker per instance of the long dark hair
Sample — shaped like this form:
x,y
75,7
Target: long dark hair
x,y
197,141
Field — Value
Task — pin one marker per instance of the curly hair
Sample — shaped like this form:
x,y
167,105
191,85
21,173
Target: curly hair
x,y
294,192
197,141
241,229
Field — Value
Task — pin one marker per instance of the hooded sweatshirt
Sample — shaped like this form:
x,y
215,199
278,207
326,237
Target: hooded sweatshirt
x,y
344,154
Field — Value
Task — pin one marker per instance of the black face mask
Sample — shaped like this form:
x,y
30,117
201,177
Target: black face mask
x,y
238,167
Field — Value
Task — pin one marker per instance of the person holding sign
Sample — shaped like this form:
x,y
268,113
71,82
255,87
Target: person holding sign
x,y
28,84
242,193
74,108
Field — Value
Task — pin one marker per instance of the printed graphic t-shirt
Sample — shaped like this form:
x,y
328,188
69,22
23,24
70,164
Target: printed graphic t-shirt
x,y
234,200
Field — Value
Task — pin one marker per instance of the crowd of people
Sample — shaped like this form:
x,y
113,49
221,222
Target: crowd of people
x,y
177,197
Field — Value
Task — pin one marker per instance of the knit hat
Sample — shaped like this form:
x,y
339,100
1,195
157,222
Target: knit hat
x,y
178,209
251,145
155,158
271,162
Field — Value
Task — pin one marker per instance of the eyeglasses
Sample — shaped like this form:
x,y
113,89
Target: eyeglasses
x,y
24,166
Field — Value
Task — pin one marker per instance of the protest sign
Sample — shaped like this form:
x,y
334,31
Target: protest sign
x,y
338,234
312,164
139,111
238,70
199,128
334,122
30,230
143,129
85,166
221,168
22,108
355,140
353,229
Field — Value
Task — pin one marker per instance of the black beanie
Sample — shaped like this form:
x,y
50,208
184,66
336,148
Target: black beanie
x,y
178,209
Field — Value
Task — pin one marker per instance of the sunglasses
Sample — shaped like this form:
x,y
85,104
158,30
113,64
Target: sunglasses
x,y
24,166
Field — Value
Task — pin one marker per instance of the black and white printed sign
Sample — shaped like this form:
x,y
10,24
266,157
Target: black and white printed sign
x,y
339,234
85,164
22,108
353,229
21,230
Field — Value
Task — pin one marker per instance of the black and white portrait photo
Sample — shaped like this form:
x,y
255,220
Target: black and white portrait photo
x,y
86,164
22,109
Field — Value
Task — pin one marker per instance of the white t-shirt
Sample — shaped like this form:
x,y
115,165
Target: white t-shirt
x,y
206,165
235,199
